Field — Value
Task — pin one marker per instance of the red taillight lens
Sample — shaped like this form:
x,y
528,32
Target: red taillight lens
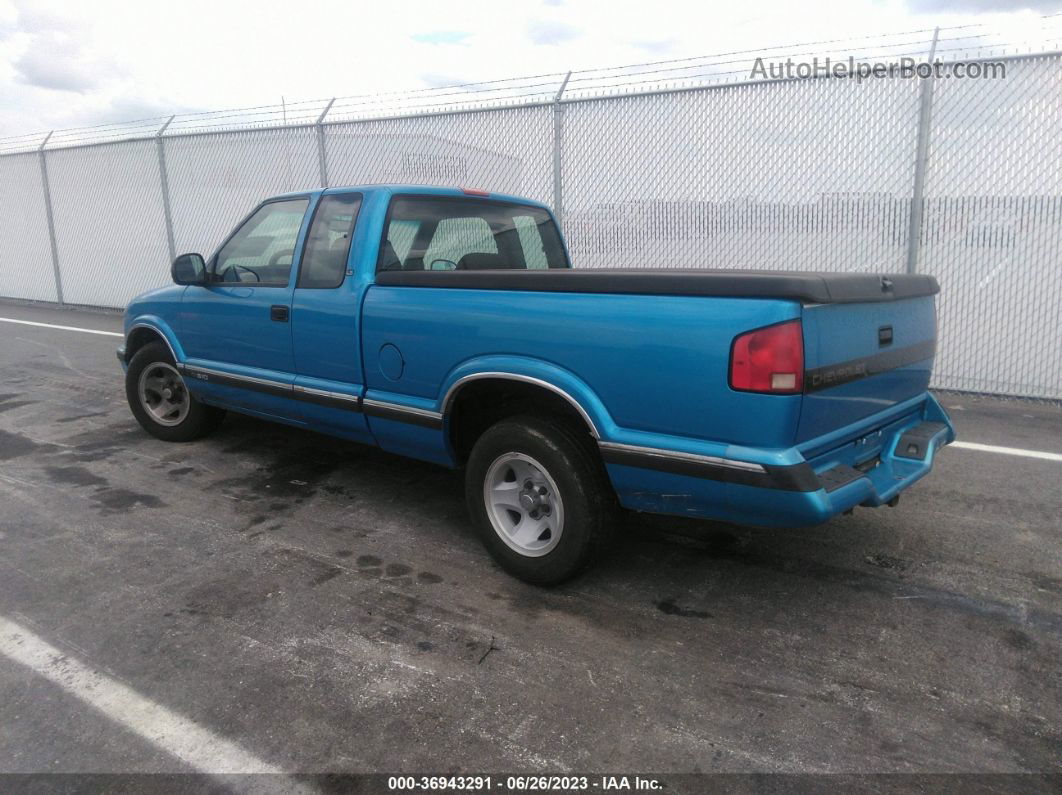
x,y
769,360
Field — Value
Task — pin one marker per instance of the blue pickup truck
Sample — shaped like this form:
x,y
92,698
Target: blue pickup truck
x,y
447,325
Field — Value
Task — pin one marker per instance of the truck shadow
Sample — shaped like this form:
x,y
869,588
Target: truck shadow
x,y
292,465
351,524
668,561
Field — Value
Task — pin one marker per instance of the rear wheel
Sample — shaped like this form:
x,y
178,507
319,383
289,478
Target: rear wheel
x,y
161,402
539,498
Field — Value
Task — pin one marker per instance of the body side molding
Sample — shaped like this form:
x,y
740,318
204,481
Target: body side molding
x,y
795,477
394,411
295,391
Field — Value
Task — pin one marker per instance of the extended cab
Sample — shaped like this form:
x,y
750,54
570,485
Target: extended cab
x,y
447,326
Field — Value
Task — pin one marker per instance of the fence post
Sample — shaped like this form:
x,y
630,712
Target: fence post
x,y
51,218
558,142
164,180
322,158
925,108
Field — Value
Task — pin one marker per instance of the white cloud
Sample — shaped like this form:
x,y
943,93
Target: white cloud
x,y
656,46
984,6
40,16
442,37
57,61
64,64
436,80
547,31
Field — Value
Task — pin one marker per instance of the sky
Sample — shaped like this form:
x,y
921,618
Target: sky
x,y
72,64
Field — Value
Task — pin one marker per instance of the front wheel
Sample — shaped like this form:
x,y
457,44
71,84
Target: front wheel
x,y
161,402
539,497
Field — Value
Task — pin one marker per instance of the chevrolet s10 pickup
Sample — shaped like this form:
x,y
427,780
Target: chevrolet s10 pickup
x,y
447,325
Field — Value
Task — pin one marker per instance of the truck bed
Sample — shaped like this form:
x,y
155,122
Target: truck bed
x,y
804,286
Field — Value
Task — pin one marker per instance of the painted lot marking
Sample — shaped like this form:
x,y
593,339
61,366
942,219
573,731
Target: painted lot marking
x,y
173,733
62,328
984,448
991,448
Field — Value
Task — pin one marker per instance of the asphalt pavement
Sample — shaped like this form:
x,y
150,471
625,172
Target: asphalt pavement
x,y
324,607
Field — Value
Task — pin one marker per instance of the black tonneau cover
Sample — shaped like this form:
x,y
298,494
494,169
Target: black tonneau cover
x,y
805,286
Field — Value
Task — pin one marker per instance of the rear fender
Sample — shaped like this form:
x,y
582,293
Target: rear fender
x,y
549,376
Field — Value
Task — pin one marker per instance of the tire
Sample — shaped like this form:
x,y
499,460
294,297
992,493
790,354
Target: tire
x,y
165,408
558,462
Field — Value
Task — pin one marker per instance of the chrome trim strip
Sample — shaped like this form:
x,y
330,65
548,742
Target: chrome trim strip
x,y
452,391
309,390
308,394
656,452
398,407
195,368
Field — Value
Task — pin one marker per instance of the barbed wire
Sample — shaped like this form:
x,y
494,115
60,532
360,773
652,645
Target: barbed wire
x,y
673,73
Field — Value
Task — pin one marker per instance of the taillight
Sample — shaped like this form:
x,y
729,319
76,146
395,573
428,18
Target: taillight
x,y
769,360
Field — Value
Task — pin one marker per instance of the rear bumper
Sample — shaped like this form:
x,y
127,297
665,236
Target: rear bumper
x,y
865,465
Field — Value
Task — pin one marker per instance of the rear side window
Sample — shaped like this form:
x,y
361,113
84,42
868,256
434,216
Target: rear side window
x,y
324,260
446,234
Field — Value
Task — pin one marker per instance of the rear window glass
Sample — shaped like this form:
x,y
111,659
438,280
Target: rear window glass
x,y
445,234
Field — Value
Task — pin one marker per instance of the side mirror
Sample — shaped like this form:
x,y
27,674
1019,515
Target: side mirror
x,y
189,269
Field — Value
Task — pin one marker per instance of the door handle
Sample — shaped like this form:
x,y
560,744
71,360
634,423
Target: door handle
x,y
279,313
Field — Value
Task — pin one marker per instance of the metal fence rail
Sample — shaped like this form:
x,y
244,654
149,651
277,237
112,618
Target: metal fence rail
x,y
961,178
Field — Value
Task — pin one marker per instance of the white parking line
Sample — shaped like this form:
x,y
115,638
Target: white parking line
x,y
62,328
176,735
991,448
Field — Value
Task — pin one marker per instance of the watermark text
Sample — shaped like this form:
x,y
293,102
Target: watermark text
x,y
904,68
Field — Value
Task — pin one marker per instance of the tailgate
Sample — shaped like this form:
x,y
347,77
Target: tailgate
x,y
862,359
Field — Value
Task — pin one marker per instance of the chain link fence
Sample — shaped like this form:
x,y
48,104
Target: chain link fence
x,y
960,178
992,229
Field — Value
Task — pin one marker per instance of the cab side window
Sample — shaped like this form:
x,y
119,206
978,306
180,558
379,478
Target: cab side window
x,y
442,233
324,259
260,252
